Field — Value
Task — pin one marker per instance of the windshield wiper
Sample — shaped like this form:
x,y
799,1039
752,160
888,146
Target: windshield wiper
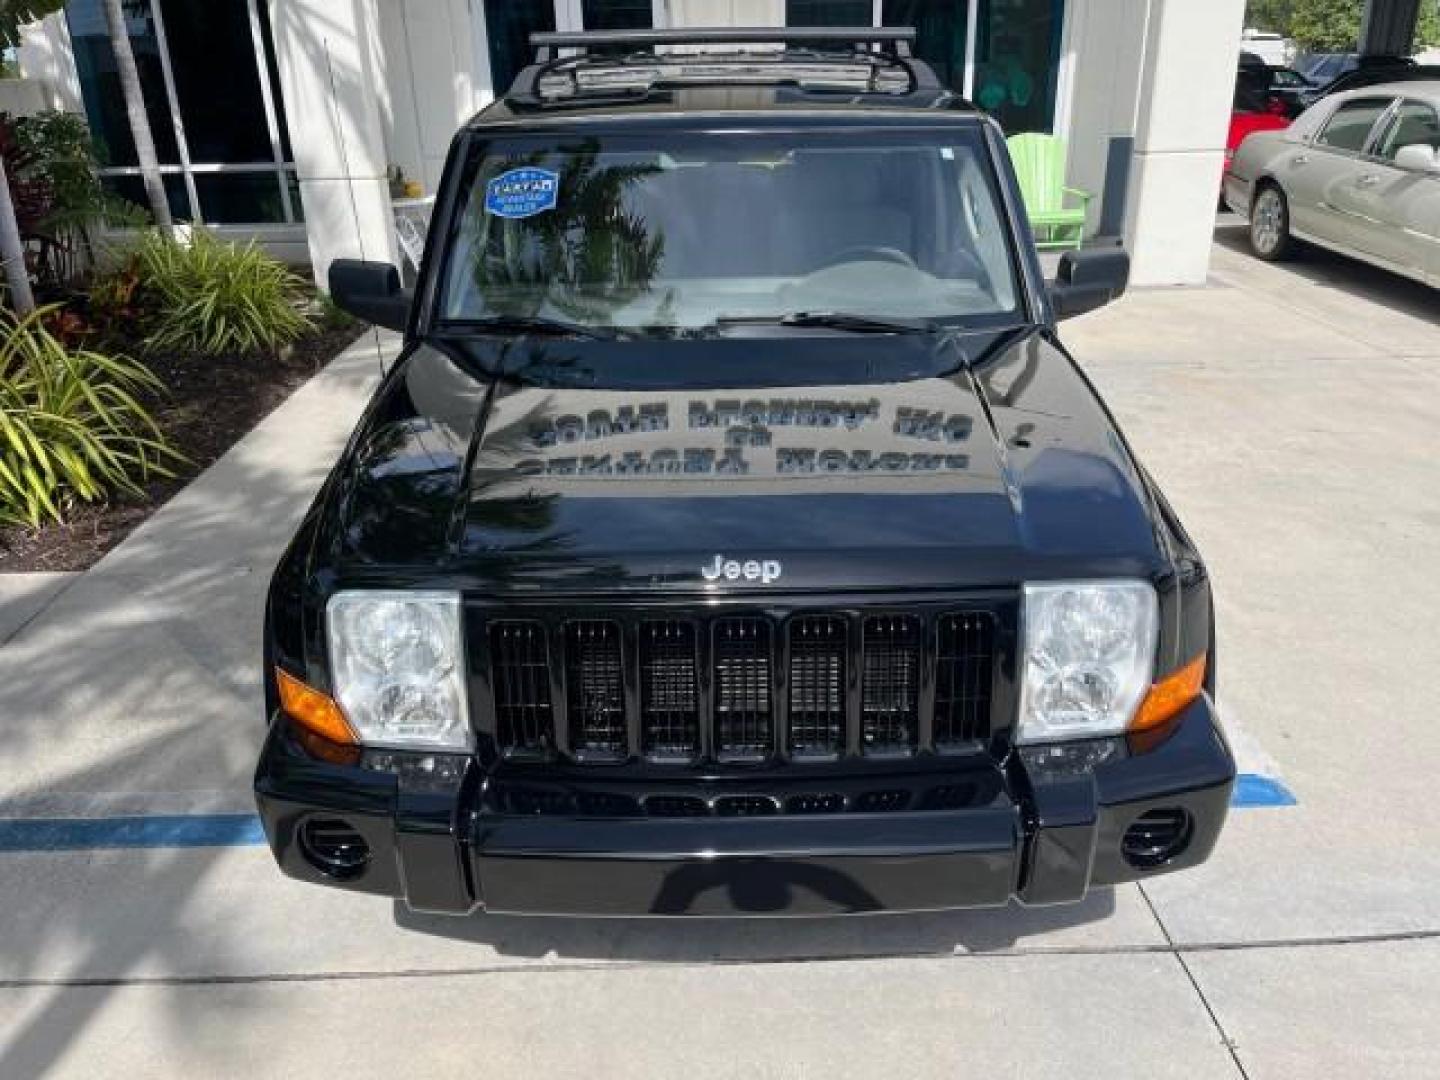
x,y
532,324
835,320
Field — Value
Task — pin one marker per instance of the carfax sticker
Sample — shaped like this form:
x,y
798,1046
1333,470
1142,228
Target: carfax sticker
x,y
521,193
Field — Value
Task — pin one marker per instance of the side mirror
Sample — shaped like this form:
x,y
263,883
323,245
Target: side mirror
x,y
1418,157
1087,280
370,291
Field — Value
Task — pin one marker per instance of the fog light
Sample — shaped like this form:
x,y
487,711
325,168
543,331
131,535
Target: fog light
x,y
334,848
1157,837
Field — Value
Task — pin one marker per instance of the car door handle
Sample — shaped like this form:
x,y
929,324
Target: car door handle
x,y
1300,159
1368,180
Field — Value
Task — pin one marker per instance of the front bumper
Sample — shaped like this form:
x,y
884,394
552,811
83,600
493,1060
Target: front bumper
x,y
1050,828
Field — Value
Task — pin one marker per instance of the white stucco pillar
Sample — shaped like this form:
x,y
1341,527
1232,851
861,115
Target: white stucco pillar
x,y
1187,84
430,68
46,54
335,101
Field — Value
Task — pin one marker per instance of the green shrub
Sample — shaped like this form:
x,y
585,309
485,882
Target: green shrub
x,y
214,298
71,426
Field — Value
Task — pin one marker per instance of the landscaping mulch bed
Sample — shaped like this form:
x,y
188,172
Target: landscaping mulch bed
x,y
208,407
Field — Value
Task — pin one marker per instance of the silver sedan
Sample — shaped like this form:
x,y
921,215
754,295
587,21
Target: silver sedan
x,y
1358,173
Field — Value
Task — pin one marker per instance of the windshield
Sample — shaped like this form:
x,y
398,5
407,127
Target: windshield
x,y
679,234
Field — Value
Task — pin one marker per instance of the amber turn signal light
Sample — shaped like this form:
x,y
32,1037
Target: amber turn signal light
x,y
1171,694
313,710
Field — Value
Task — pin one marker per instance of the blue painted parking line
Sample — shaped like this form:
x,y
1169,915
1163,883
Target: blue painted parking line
x,y
244,830
167,831
1252,790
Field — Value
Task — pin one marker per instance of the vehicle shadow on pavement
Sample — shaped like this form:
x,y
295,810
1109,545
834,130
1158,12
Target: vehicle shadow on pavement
x,y
1323,268
761,938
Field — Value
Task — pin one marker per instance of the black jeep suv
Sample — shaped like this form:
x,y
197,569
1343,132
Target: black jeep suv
x,y
734,534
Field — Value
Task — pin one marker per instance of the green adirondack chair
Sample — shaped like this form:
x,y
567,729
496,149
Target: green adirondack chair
x,y
1040,167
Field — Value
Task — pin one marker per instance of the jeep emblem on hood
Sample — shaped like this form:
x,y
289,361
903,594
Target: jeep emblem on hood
x,y
733,570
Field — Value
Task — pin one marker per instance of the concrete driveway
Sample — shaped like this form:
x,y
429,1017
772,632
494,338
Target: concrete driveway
x,y
1291,415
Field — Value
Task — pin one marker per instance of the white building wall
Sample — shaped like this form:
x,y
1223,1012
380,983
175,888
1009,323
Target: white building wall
x,y
333,96
1186,94
46,54
1102,55
428,56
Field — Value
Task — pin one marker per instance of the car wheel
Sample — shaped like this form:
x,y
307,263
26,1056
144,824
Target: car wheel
x,y
1270,224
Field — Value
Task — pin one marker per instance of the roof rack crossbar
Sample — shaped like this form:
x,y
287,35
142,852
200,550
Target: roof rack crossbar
x,y
546,43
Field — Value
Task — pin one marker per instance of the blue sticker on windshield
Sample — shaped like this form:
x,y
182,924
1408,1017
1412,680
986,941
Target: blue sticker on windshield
x,y
521,193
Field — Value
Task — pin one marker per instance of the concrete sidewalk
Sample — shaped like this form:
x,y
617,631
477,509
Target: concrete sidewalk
x,y
135,688
1290,414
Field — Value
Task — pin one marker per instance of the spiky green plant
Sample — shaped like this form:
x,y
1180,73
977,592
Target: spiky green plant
x,y
214,298
71,425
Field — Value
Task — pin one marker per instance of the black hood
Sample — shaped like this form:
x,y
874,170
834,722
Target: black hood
x,y
922,471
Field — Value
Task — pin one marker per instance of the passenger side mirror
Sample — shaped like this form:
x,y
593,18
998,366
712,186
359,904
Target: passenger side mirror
x,y
1087,280
1418,157
370,291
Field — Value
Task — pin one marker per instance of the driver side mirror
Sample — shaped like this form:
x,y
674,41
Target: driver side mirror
x,y
1087,280
370,291
1418,157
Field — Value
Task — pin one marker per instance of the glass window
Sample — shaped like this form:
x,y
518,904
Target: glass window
x,y
1017,58
1350,127
240,198
132,189
940,30
100,81
829,13
508,25
617,14
682,235
217,80
1413,123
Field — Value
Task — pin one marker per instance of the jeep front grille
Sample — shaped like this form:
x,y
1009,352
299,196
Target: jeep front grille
x,y
742,688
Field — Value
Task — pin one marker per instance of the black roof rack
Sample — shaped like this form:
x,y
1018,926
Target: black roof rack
x,y
545,44
606,56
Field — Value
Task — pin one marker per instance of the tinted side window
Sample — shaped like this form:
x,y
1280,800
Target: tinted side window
x,y
1414,122
1350,126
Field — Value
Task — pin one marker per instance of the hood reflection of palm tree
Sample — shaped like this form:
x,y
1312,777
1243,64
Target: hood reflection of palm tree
x,y
586,258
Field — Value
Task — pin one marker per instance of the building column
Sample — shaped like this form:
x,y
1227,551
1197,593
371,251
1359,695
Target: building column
x,y
1187,84
1388,27
46,54
335,102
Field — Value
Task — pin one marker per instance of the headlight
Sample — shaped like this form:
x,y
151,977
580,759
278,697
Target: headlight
x,y
397,670
1089,657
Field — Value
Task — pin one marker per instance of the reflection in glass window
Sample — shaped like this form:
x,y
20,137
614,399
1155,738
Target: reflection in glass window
x,y
939,34
1017,59
617,14
675,237
132,189
100,81
217,80
508,25
829,13
1350,127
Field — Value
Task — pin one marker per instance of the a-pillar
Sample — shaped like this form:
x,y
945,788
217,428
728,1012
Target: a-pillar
x,y
1186,88
333,101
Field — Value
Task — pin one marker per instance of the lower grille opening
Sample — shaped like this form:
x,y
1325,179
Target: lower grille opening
x,y
746,806
830,803
676,806
949,797
334,847
882,802
1157,837
606,804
